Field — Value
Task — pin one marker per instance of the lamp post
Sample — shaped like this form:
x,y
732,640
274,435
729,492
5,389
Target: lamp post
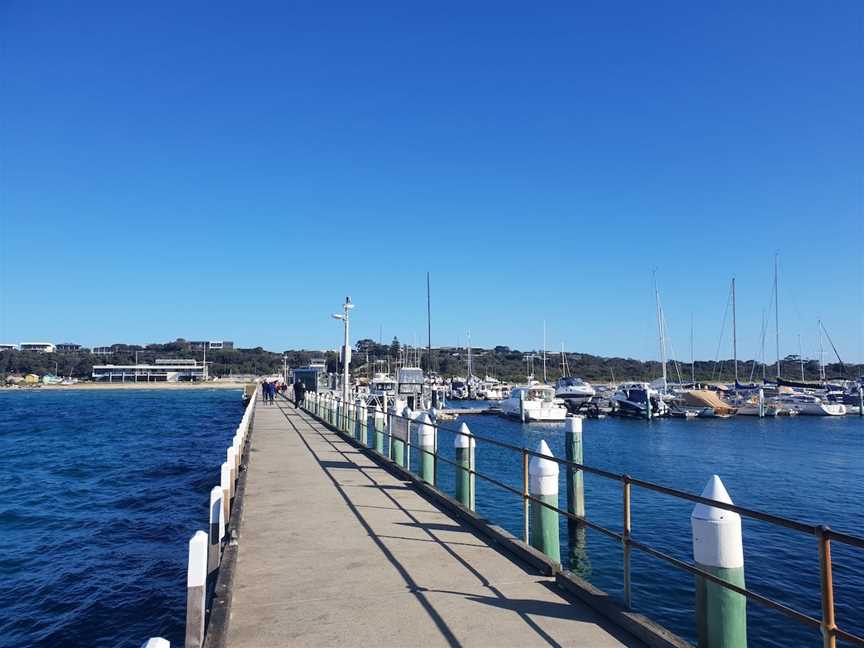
x,y
346,350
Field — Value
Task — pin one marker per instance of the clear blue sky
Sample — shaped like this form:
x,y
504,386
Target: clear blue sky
x,y
233,170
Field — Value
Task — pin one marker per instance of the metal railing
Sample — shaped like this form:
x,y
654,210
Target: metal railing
x,y
823,535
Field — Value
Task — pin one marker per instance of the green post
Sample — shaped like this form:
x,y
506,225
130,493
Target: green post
x,y
464,444
428,447
721,614
543,484
401,429
576,532
363,423
378,422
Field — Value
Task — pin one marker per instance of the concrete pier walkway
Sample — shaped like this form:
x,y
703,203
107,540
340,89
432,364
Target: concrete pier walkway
x,y
335,551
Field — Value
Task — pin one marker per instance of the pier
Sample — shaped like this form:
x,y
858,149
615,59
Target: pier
x,y
336,550
320,536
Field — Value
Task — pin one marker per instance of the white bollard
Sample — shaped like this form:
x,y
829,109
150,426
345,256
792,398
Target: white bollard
x,y
721,614
196,580
156,642
233,475
215,532
235,442
226,491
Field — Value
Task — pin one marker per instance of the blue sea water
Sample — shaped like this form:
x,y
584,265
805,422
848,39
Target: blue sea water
x,y
102,491
807,468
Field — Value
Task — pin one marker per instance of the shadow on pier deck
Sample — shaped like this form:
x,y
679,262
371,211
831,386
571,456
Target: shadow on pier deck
x,y
335,550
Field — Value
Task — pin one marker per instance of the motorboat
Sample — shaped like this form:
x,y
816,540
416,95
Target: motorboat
x,y
574,392
809,405
458,389
635,399
531,403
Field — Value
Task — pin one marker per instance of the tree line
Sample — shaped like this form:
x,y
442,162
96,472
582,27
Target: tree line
x,y
501,362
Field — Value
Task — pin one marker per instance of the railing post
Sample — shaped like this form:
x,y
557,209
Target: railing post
x,y
576,532
625,540
215,534
427,448
525,516
225,475
232,474
721,614
829,639
543,485
464,444
196,580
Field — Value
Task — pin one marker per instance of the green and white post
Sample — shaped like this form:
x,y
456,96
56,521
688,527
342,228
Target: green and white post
x,y
576,531
721,614
543,484
464,444
428,447
364,423
377,423
400,425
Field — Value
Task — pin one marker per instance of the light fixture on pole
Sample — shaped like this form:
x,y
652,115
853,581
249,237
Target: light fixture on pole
x,y
346,349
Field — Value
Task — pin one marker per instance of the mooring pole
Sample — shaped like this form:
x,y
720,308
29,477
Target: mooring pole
x,y
543,485
576,532
721,614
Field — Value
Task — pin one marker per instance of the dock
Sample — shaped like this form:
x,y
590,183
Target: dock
x,y
334,549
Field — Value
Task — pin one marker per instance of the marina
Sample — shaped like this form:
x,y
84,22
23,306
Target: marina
x,y
235,414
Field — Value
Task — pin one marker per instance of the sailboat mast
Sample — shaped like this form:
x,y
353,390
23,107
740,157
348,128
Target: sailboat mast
x,y
776,316
801,357
469,355
544,352
764,327
662,333
692,358
734,334
821,351
428,326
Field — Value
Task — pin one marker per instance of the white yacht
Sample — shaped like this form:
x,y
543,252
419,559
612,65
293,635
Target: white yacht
x,y
809,405
534,403
573,391
458,389
633,399
382,384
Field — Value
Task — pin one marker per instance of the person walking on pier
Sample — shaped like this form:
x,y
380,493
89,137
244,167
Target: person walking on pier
x,y
299,393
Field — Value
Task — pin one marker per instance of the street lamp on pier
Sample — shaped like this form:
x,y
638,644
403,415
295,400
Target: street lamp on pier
x,y
346,349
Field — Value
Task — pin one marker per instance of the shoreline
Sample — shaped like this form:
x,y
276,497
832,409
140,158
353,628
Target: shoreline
x,y
131,385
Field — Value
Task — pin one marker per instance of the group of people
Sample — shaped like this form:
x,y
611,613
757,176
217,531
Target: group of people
x,y
269,389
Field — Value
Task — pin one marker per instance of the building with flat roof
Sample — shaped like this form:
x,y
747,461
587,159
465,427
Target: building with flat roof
x,y
8,347
163,370
211,345
42,347
67,347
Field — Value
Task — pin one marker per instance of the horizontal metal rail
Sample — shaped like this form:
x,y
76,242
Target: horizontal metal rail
x,y
823,534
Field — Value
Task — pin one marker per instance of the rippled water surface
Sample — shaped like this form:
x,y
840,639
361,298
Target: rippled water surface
x,y
809,468
102,492
104,489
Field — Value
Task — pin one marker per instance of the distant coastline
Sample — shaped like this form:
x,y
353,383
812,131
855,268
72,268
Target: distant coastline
x,y
221,384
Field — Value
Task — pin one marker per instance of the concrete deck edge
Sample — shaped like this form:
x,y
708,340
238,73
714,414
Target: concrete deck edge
x,y
216,629
638,625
